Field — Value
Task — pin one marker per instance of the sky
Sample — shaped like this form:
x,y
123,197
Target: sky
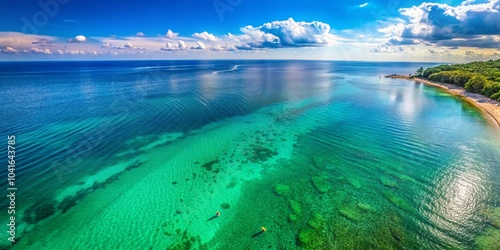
x,y
364,30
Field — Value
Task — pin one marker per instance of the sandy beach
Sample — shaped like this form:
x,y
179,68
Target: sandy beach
x,y
490,108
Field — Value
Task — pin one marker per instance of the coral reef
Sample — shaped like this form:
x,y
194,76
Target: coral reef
x,y
396,200
364,206
321,184
355,183
296,207
489,240
317,221
388,182
350,214
306,235
494,217
282,190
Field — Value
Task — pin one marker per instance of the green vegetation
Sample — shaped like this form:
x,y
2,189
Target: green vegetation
x,y
475,77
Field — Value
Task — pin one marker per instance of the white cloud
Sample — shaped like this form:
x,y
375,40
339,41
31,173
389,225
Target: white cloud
x,y
182,45
199,46
171,34
393,29
78,39
436,22
293,33
74,52
138,43
37,50
128,46
469,24
385,48
206,36
171,46
279,34
363,5
9,50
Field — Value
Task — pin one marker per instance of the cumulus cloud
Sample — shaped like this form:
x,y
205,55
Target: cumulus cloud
x,y
446,25
75,52
291,33
181,45
14,42
171,34
126,46
386,48
206,36
278,34
169,47
9,50
78,39
37,50
394,29
363,5
199,46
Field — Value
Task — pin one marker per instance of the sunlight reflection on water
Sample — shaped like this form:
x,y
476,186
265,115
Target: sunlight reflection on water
x,y
461,188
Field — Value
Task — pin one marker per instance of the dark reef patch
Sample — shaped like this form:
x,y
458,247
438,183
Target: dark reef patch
x,y
39,211
209,165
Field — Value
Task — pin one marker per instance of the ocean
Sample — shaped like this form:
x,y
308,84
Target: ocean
x,y
322,154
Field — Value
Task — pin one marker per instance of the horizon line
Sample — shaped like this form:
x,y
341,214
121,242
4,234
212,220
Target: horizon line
x,y
312,60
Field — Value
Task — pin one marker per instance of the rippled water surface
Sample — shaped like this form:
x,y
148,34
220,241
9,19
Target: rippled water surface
x,y
324,155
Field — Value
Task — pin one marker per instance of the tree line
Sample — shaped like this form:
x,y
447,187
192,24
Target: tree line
x,y
481,77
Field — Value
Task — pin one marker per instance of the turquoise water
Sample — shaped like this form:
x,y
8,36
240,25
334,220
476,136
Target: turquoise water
x,y
324,155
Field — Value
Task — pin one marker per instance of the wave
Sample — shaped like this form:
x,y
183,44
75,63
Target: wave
x,y
235,67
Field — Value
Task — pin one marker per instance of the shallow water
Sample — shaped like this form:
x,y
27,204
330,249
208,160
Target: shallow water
x,y
324,155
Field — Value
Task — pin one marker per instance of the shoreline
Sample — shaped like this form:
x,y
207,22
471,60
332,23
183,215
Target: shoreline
x,y
488,107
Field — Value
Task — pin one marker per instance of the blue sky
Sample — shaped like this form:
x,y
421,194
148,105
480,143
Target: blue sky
x,y
236,29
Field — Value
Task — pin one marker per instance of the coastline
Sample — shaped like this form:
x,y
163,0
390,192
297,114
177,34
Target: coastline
x,y
488,107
